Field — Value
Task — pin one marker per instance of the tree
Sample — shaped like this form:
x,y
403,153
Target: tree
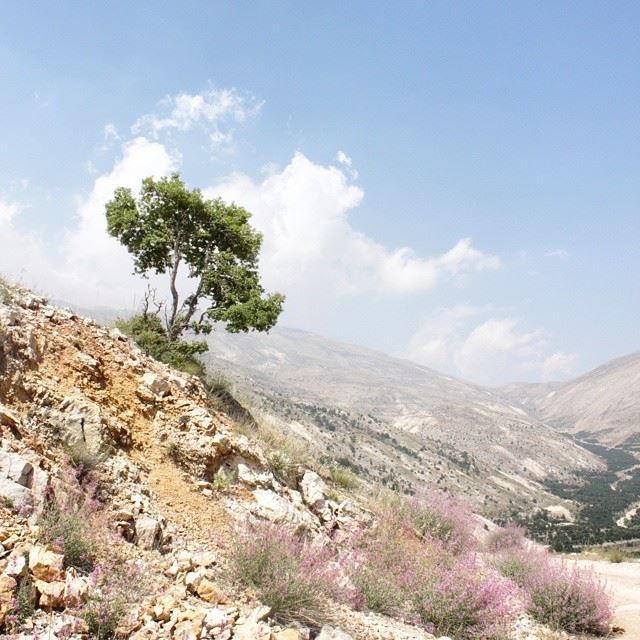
x,y
168,227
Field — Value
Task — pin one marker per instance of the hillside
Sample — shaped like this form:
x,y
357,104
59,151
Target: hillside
x,y
396,421
133,507
603,404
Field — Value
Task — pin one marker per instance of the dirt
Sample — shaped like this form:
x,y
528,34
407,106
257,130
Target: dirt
x,y
623,581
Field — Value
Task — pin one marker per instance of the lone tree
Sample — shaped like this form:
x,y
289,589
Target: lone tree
x,y
168,227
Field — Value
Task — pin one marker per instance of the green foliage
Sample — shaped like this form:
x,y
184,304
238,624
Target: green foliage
x,y
149,334
74,532
222,479
6,296
344,478
168,226
25,599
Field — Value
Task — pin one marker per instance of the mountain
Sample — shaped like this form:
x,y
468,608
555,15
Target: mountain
x,y
603,404
396,421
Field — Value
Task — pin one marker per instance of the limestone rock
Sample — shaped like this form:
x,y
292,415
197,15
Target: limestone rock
x,y
208,592
157,384
332,633
15,468
17,564
7,587
51,594
45,564
148,533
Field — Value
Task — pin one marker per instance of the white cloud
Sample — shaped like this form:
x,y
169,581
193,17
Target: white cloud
x,y
309,242
8,211
85,265
216,111
488,350
557,366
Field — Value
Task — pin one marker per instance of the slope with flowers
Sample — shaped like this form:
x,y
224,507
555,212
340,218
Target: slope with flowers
x,y
133,507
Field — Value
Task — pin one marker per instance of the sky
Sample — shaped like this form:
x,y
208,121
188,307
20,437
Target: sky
x,y
455,183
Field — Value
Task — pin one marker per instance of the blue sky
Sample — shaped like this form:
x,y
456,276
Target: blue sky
x,y
370,140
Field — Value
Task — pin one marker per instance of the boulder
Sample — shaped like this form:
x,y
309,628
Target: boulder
x,y
208,592
288,634
7,587
148,533
51,594
16,564
313,489
157,384
15,468
45,564
253,477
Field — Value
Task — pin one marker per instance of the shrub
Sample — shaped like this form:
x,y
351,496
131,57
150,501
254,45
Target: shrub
x,y
222,479
467,602
509,537
387,565
118,584
570,599
435,515
72,532
281,466
150,335
290,574
520,564
616,555
25,599
69,518
343,477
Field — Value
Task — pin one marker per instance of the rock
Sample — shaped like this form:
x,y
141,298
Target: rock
x,y
17,564
252,631
216,619
8,418
253,477
157,384
204,559
45,564
51,594
89,365
288,634
192,580
186,630
16,496
76,589
313,488
7,587
15,468
148,533
332,633
208,592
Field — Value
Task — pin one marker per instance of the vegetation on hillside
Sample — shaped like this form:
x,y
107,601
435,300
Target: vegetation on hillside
x,y
169,227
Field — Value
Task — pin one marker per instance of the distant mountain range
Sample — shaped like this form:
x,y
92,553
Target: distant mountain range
x,y
399,422
603,405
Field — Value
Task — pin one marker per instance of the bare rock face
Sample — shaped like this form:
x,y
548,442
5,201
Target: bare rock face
x,y
148,533
16,479
45,564
7,587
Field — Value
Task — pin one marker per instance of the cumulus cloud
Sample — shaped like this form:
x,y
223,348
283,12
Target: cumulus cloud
x,y
309,241
84,264
465,342
215,111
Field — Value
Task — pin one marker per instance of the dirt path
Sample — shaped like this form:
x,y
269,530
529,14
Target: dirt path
x,y
623,580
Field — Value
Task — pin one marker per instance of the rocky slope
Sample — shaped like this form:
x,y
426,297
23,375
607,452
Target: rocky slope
x,y
603,404
399,422
68,385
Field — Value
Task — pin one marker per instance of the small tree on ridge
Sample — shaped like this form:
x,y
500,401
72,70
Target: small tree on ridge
x,y
169,227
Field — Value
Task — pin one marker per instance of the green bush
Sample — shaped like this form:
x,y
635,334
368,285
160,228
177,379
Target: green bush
x,y
25,599
150,335
343,477
73,531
